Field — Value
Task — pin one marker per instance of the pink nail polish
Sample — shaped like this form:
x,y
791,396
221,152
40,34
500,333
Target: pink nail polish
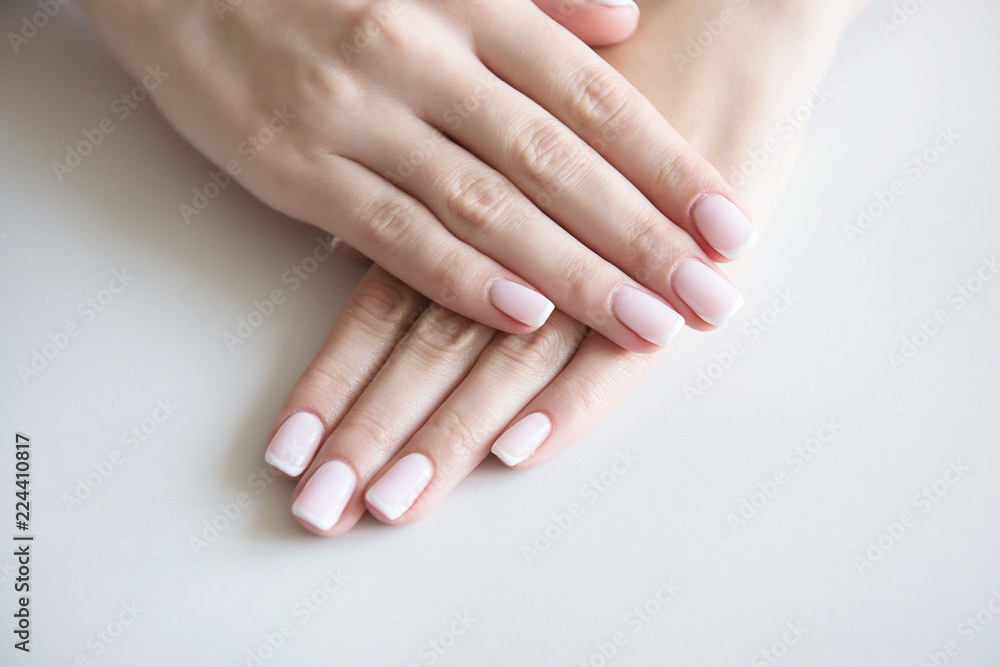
x,y
294,445
618,3
401,486
521,440
325,495
706,292
646,315
724,226
522,303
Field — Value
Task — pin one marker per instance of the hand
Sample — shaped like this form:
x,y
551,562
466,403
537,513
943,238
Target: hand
x,y
402,403
476,150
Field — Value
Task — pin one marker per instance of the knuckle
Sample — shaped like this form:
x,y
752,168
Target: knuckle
x,y
442,334
653,245
546,151
484,203
379,302
455,272
330,379
577,276
388,220
587,395
533,355
599,391
680,171
377,27
460,436
375,428
598,100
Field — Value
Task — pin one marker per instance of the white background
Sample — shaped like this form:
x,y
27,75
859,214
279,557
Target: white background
x,y
665,517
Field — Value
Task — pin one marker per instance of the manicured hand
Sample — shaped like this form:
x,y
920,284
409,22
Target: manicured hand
x,y
477,150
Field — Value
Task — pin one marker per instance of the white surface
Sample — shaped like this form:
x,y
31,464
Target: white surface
x,y
664,517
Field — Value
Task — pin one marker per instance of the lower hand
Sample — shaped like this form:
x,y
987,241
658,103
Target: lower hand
x,y
399,406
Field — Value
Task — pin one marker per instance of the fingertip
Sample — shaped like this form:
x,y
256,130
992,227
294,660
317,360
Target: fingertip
x,y
599,22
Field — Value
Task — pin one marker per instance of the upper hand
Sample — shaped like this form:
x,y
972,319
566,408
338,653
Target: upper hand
x,y
476,150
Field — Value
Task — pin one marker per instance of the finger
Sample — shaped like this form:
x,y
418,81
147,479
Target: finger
x,y
592,201
598,104
486,211
595,22
426,366
347,251
394,230
594,383
458,436
377,314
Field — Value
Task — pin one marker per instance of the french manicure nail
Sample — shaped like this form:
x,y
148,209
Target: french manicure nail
x,y
724,226
401,486
706,292
325,495
617,3
522,303
522,439
647,316
293,446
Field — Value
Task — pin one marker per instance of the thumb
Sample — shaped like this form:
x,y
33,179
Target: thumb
x,y
596,22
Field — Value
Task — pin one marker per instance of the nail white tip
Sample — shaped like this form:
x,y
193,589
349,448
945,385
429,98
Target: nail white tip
x,y
540,320
389,511
736,253
666,338
728,315
323,523
617,3
278,464
506,457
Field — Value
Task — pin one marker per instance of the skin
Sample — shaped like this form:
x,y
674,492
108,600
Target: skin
x,y
399,375
428,135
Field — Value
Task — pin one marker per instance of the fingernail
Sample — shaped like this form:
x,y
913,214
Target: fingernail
x,y
522,439
401,486
325,495
706,292
293,446
617,3
724,226
522,303
646,315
